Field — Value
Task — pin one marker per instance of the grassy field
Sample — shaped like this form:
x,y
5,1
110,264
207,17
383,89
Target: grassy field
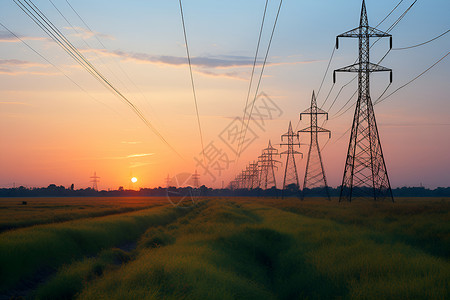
x,y
14,214
239,248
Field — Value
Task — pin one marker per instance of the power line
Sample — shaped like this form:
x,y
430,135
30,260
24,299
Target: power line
x,y
326,71
378,101
154,116
86,43
260,75
329,92
192,81
253,71
429,68
44,58
38,17
421,44
58,69
389,13
351,97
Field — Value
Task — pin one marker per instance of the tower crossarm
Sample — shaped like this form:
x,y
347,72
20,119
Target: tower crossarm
x,y
365,67
369,67
315,129
314,110
293,152
360,31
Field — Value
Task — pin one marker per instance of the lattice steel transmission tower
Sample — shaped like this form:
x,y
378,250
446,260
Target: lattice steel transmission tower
x,y
95,181
167,181
315,173
253,169
290,171
365,171
268,165
196,180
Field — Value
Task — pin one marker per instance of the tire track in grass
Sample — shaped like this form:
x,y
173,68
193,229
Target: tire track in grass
x,y
28,256
70,279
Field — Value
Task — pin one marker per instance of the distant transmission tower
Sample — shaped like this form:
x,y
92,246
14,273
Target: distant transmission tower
x,y
268,165
95,181
365,171
195,193
290,172
196,179
167,181
315,173
253,170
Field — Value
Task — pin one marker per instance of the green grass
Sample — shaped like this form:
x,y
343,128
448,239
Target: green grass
x,y
276,255
24,252
71,278
421,222
14,215
250,249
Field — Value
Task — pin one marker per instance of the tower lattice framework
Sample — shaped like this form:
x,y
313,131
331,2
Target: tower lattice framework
x,y
290,171
253,173
365,171
267,167
95,181
315,173
195,180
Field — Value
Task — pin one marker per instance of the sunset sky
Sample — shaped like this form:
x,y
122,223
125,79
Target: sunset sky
x,y
53,130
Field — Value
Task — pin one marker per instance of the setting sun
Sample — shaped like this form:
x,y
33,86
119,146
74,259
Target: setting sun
x,y
134,179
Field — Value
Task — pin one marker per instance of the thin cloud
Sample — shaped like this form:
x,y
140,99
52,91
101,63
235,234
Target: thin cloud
x,y
16,73
6,37
20,63
139,155
198,61
140,164
131,143
204,65
14,67
212,62
84,33
229,75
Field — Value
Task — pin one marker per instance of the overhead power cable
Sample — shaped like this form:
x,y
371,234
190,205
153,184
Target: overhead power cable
x,y
381,22
38,17
378,101
84,40
56,67
399,88
326,71
253,71
192,82
260,77
424,43
154,116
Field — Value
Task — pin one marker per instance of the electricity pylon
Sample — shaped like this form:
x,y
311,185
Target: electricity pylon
x,y
196,180
167,181
268,164
365,171
290,171
195,192
252,175
315,173
95,181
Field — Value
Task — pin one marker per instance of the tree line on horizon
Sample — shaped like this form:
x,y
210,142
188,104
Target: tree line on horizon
x,y
60,191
